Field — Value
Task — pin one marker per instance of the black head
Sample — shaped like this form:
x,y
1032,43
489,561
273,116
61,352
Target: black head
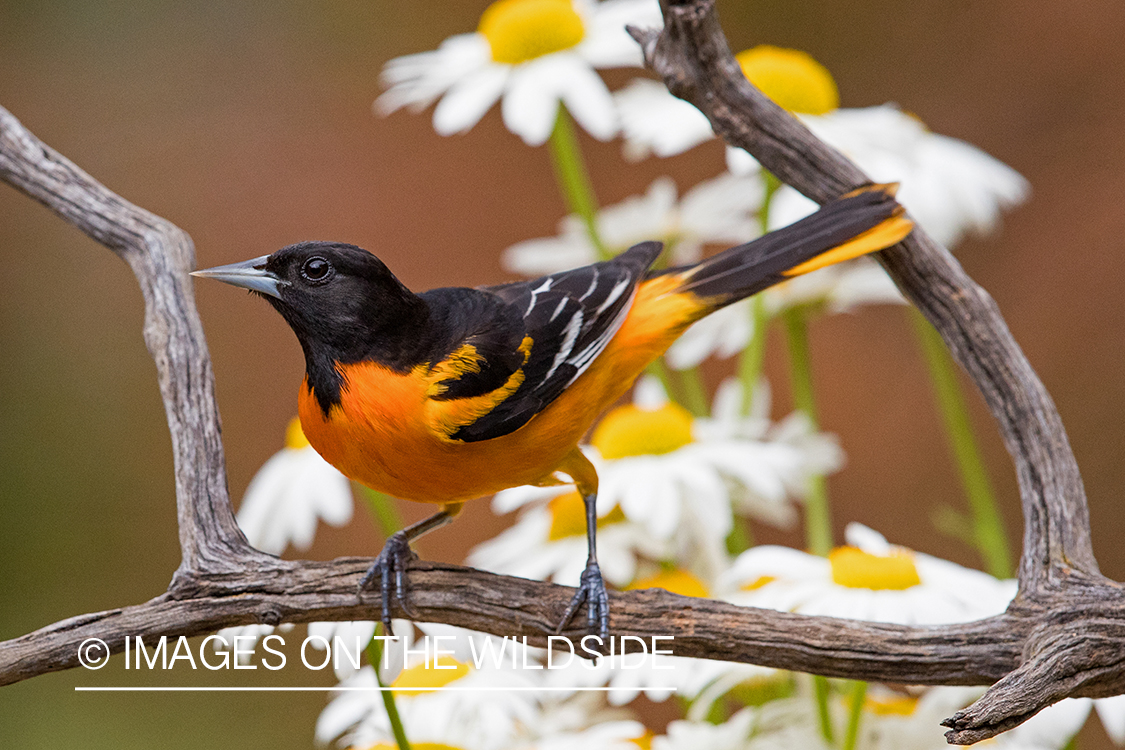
x,y
341,301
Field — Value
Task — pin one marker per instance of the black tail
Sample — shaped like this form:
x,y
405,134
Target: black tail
x,y
860,222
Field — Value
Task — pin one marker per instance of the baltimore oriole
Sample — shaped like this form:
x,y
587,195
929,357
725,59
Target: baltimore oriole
x,y
458,393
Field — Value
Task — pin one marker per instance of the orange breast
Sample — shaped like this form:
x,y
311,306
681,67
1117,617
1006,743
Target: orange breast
x,y
382,434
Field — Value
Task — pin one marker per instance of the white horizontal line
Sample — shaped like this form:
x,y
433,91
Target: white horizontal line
x,y
287,689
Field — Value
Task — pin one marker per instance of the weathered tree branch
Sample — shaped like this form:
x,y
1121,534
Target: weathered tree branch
x,y
1064,635
1057,568
976,653
160,255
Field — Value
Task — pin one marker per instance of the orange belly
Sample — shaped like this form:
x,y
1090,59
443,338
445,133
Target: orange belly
x,y
380,435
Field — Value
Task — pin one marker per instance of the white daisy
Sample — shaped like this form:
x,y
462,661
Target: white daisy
x,y
683,476
835,289
548,542
867,580
732,734
292,491
723,333
720,210
531,55
898,721
949,186
653,121
657,676
563,714
784,723
675,480
350,635
613,735
469,719
700,681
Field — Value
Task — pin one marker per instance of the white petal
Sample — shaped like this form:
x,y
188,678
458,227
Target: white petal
x,y
1053,726
740,162
866,539
640,217
570,249
260,502
417,80
723,209
468,100
648,393
1112,713
587,99
508,500
863,282
788,206
531,104
606,43
654,120
723,333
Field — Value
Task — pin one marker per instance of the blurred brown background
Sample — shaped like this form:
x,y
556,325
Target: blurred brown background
x,y
249,125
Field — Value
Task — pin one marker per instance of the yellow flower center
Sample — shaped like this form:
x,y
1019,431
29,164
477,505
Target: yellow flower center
x,y
568,516
414,680
791,78
757,583
857,569
644,741
632,431
677,581
415,745
522,30
895,705
295,436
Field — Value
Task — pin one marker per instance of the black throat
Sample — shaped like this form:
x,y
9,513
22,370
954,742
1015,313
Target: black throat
x,y
398,343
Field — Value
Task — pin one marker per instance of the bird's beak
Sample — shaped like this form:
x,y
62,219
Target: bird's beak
x,y
249,274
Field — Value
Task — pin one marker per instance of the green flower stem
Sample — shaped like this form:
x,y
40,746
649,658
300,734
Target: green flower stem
x,y
740,538
820,685
383,511
750,364
660,371
855,714
695,395
771,184
987,528
754,355
818,519
574,180
375,656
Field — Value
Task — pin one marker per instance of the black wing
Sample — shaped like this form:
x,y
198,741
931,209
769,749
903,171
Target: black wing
x,y
485,325
571,317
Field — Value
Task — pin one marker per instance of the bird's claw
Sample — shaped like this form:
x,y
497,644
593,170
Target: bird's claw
x,y
390,567
592,591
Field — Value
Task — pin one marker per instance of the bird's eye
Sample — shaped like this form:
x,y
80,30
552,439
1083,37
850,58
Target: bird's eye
x,y
316,270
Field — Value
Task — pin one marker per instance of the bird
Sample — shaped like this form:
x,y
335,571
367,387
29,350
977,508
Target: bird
x,y
457,393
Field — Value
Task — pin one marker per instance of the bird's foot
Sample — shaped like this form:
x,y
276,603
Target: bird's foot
x,y
592,591
390,567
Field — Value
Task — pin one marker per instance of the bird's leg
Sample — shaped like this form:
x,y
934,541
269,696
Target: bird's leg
x,y
391,563
591,587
